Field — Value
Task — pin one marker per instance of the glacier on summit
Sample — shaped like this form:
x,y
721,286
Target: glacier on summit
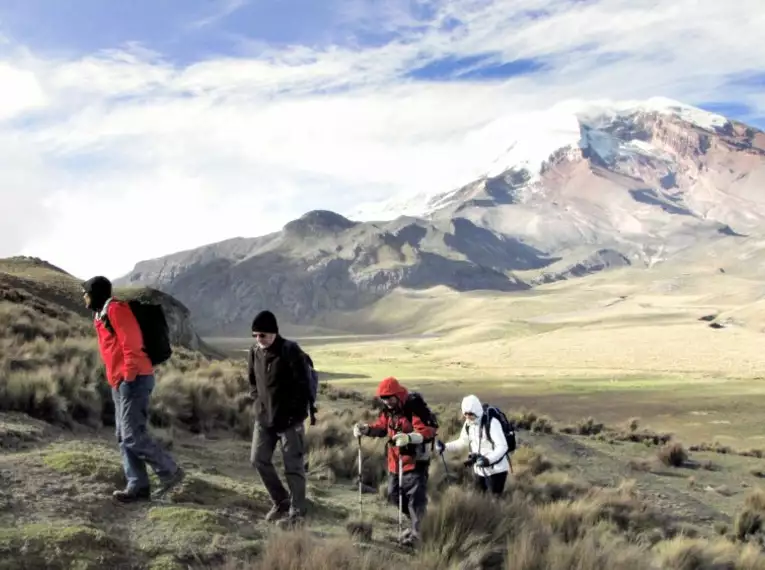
x,y
602,130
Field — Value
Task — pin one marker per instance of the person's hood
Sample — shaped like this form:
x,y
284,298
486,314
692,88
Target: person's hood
x,y
391,387
472,404
100,290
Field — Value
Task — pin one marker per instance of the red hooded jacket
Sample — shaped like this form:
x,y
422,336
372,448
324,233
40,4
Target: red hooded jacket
x,y
122,350
391,422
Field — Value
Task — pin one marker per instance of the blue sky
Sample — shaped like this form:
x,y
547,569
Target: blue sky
x,y
240,114
185,31
182,31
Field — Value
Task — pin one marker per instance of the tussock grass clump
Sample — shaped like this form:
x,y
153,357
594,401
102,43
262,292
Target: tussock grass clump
x,y
694,554
333,451
360,529
750,521
715,447
529,459
536,550
673,455
548,521
644,436
463,522
546,488
215,396
719,448
588,427
301,551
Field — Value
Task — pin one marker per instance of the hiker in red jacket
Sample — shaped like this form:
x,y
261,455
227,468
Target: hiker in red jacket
x,y
130,374
410,427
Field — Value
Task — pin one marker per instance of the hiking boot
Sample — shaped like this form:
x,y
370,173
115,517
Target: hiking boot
x,y
408,537
132,495
171,483
294,519
278,511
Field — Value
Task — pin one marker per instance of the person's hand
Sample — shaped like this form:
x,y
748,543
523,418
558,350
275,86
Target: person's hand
x,y
401,439
481,461
440,446
360,429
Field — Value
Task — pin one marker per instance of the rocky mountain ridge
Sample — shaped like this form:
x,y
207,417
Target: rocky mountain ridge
x,y
633,186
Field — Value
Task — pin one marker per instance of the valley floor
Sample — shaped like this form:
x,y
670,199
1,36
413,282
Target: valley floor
x,y
682,351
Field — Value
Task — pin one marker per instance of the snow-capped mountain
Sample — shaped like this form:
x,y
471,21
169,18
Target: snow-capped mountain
x,y
579,189
572,127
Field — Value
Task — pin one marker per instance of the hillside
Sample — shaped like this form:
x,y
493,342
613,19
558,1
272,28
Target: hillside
x,y
54,292
594,188
581,496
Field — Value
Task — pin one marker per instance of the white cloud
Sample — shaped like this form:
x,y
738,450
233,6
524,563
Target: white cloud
x,y
137,158
20,91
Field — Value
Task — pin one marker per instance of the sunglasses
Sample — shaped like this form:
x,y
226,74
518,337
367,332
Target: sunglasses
x,y
260,335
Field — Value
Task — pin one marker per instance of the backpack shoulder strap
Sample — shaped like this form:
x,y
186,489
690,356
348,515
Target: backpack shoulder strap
x,y
486,425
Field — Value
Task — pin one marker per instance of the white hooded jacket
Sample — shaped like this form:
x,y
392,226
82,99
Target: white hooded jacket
x,y
478,442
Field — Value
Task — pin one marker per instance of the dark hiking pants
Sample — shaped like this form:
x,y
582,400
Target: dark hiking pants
x,y
264,442
415,489
494,483
131,416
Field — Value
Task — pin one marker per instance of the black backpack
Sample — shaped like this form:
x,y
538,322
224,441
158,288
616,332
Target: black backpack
x,y
508,429
313,380
154,329
416,405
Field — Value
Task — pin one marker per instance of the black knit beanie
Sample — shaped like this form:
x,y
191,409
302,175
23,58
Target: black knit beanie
x,y
100,289
265,322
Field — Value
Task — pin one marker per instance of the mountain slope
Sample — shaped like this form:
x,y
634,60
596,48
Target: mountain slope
x,y
592,186
54,292
323,262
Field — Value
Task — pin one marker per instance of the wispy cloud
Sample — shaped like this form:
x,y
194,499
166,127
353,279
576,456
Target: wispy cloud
x,y
222,9
238,145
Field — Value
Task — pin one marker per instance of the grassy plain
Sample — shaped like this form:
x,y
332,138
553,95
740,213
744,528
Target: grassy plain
x,y
614,345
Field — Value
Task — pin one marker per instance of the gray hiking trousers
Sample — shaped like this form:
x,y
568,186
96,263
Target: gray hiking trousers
x,y
138,448
264,442
415,490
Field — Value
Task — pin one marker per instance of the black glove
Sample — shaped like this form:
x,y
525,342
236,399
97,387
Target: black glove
x,y
481,461
440,447
471,459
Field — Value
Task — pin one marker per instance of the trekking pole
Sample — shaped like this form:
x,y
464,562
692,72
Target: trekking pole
x,y
400,495
446,469
361,510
